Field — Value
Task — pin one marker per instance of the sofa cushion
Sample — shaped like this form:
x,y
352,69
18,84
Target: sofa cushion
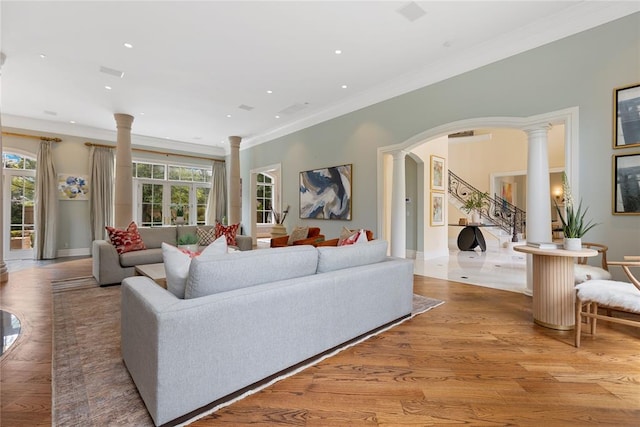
x,y
229,231
206,235
153,237
126,240
332,258
249,268
177,262
149,256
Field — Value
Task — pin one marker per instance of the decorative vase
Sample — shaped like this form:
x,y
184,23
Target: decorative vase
x,y
278,230
573,243
475,217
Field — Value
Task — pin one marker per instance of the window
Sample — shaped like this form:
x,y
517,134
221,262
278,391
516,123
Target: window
x,y
264,198
166,192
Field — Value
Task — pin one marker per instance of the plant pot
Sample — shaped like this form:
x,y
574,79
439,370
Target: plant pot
x,y
475,217
278,230
573,243
192,248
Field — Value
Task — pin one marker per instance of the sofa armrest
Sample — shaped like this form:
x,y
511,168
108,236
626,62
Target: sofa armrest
x,y
245,243
313,240
106,266
278,242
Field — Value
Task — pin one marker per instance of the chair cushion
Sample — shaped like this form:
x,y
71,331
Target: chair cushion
x,y
584,272
298,233
610,293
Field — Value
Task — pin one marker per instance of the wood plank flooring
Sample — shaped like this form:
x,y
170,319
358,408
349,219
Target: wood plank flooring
x,y
478,360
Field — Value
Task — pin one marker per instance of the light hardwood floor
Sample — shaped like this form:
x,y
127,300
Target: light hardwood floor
x,y
478,359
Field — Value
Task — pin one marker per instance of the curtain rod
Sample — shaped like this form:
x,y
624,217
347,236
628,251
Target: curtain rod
x,y
41,138
91,144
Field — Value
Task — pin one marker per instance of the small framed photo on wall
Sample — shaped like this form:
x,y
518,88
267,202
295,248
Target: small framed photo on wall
x,y
626,116
437,209
437,173
626,184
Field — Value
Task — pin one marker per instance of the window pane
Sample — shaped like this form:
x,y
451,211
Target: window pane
x,y
143,170
29,163
158,171
174,173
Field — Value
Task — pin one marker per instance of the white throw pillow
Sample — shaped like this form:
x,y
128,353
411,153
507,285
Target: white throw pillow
x,y
177,262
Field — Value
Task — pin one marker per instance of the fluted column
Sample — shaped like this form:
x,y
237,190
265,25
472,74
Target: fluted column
x,y
234,205
124,177
398,206
538,191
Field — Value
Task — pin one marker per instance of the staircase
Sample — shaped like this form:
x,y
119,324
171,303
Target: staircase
x,y
496,211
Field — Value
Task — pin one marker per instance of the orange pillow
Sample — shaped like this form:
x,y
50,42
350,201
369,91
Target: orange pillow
x,y
128,240
229,231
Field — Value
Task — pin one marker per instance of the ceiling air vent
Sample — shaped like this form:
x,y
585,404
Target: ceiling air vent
x,y
412,11
112,72
245,107
292,109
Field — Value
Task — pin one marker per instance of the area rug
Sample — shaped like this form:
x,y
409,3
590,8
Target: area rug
x,y
91,386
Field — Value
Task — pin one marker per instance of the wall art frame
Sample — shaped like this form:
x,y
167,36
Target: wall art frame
x,y
626,184
437,173
326,193
73,187
626,116
436,209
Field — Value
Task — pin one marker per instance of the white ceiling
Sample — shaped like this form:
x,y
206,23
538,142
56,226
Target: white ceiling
x,y
194,63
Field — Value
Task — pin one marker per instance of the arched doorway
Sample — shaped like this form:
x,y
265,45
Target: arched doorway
x,y
19,171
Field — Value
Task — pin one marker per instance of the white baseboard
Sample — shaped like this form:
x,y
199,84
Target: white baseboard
x,y
410,253
62,253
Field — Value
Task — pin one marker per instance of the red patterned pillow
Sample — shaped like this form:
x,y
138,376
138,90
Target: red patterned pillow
x,y
126,240
229,231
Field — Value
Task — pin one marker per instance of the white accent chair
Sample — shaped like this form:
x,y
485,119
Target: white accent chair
x,y
608,294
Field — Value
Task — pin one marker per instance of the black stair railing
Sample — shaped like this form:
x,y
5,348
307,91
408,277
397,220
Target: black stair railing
x,y
496,210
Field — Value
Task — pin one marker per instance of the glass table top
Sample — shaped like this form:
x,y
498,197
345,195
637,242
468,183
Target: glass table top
x,y
10,329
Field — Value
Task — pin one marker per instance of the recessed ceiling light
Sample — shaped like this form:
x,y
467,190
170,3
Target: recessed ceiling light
x,y
72,121
128,45
269,91
42,55
142,114
344,86
166,137
229,115
107,87
338,52
277,117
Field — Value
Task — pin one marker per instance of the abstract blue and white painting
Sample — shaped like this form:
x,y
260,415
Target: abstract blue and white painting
x,y
326,193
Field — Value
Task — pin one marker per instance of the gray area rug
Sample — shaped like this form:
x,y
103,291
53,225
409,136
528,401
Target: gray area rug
x,y
91,386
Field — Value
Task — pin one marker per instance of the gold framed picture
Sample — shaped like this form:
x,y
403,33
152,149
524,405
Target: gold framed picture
x,y
437,209
437,173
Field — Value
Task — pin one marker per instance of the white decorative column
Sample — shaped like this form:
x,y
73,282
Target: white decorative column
x,y
398,207
124,177
234,204
538,191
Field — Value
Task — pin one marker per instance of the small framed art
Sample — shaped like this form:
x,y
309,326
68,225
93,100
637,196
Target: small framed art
x,y
626,116
626,184
437,209
437,173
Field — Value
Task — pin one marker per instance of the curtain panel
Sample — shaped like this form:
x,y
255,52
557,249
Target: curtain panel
x,y
46,204
101,183
217,202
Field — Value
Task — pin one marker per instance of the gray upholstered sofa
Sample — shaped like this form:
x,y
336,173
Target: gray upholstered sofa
x,y
249,315
109,267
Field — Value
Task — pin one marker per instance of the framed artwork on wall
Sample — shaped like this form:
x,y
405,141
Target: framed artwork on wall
x,y
326,193
437,209
626,184
437,173
72,187
626,116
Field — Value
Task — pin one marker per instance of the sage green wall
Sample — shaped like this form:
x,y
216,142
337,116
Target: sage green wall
x,y
580,70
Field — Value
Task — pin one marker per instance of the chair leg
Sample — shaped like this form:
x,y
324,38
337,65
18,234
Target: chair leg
x,y
578,326
594,306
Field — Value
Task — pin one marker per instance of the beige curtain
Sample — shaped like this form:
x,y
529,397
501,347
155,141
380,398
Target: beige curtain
x,y
46,204
101,182
217,202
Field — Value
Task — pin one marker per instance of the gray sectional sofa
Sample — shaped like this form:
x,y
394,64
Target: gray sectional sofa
x,y
110,268
249,315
